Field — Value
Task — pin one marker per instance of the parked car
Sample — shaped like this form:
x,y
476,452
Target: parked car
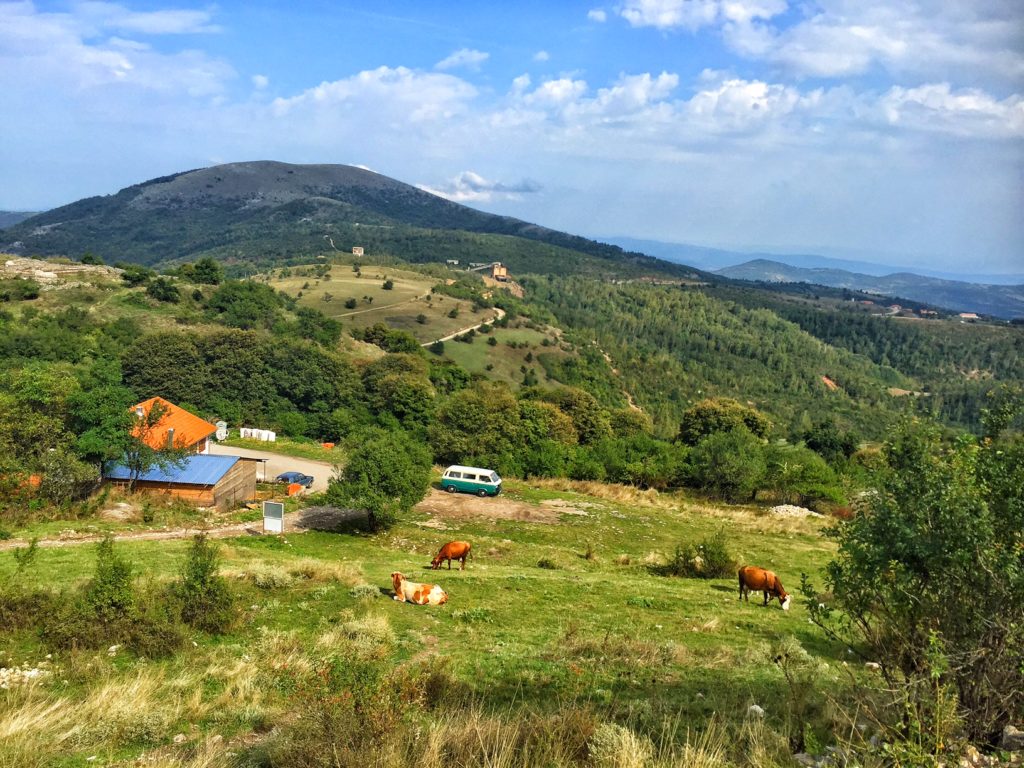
x,y
295,477
482,482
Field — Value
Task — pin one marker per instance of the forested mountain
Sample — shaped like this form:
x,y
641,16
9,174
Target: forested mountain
x,y
263,212
1005,301
675,346
10,218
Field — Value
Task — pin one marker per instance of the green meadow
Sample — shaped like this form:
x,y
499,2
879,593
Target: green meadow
x,y
562,611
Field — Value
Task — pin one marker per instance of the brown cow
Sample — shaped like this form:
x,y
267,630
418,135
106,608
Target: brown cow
x,y
754,579
421,594
453,550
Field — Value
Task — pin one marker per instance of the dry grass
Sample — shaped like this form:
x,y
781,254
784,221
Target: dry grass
x,y
266,575
621,494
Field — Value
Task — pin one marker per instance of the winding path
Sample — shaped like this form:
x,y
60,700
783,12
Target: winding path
x,y
450,336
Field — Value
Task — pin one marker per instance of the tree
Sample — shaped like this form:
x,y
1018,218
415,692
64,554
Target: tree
x,y
928,580
386,474
388,285
720,414
136,274
205,597
479,424
140,456
91,258
350,303
730,465
825,439
799,475
245,304
162,289
206,271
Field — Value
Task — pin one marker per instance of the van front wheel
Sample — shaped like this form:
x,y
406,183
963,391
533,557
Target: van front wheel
x,y
481,493
450,488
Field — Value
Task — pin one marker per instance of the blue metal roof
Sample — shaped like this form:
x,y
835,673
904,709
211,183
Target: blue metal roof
x,y
197,469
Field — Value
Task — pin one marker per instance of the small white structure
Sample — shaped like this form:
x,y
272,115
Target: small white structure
x,y
222,430
273,517
263,435
357,250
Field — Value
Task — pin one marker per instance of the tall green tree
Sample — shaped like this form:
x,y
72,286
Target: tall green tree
x,y
928,580
385,474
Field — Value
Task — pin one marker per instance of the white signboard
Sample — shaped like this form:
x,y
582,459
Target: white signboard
x,y
273,517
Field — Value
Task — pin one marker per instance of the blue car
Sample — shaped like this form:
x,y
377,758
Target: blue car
x,y
295,477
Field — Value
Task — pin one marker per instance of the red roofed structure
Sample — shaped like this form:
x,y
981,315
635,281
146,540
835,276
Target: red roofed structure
x,y
177,428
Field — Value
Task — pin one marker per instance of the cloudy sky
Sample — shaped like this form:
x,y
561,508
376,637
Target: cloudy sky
x,y
881,129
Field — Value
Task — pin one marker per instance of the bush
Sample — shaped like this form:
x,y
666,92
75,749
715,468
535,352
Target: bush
x,y
929,577
709,559
547,564
204,595
110,594
729,465
162,289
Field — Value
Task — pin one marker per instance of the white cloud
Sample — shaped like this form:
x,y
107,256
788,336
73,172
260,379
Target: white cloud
x,y
926,39
556,93
464,57
541,56
694,14
596,14
160,22
383,92
260,82
59,50
472,187
967,112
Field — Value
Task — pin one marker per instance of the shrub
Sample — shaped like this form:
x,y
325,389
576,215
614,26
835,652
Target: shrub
x,y
162,289
110,594
928,580
547,563
365,592
709,559
205,597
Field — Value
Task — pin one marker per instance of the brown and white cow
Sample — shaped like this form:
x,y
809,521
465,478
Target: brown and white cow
x,y
453,550
754,579
413,592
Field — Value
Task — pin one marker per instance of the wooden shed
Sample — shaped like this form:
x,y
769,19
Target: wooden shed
x,y
207,481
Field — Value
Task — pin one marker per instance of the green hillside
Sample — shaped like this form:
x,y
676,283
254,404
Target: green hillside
x,y
267,212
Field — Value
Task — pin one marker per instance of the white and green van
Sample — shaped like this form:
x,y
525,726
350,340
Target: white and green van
x,y
482,482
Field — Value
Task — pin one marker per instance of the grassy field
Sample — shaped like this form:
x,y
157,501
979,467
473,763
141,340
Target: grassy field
x,y
400,307
595,629
507,361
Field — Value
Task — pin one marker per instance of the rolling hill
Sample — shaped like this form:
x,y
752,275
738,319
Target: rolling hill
x,y
1005,301
262,212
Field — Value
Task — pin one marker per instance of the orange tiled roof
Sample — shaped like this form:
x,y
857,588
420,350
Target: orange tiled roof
x,y
188,428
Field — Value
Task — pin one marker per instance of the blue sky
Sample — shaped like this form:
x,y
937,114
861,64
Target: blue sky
x,y
887,130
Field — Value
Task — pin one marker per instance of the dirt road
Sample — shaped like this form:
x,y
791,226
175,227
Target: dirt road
x,y
276,463
467,329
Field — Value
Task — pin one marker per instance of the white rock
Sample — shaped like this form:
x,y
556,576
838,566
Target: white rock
x,y
755,711
874,666
179,738
1013,739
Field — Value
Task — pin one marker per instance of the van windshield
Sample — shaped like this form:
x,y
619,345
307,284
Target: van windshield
x,y
494,477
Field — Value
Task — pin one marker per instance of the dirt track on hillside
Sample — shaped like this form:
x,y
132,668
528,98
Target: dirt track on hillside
x,y
463,506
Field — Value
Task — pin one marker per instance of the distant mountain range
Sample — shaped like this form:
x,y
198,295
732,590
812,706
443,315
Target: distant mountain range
x,y
265,212
10,218
1004,301
714,259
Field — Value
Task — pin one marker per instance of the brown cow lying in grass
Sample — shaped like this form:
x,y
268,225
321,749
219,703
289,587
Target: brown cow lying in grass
x,y
453,550
754,579
421,594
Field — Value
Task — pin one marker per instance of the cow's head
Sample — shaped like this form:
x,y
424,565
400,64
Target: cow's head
x,y
436,563
396,580
784,599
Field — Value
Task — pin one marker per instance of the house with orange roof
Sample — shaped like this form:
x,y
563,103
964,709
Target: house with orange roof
x,y
177,428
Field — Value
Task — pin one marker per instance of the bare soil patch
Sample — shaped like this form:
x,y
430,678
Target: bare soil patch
x,y
462,506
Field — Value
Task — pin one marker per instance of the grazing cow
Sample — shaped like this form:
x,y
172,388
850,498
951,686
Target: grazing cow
x,y
754,579
453,550
421,594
